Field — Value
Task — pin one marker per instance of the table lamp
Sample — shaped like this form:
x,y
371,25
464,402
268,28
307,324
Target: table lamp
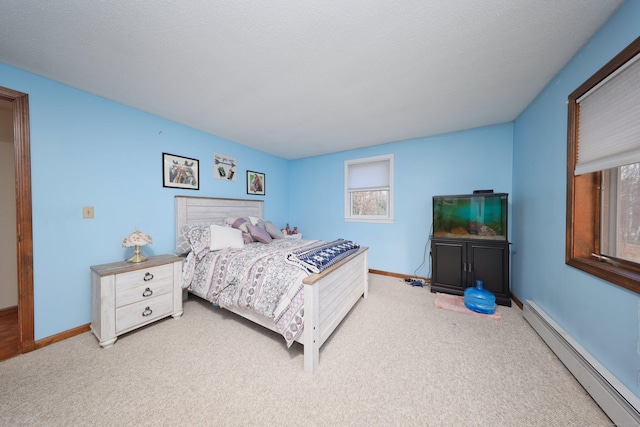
x,y
137,239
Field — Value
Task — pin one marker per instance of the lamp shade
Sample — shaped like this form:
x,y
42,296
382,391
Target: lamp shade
x,y
137,238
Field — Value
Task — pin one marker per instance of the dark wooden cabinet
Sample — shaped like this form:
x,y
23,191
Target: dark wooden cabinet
x,y
458,263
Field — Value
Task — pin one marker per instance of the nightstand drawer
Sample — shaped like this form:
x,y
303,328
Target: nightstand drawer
x,y
144,284
144,311
146,275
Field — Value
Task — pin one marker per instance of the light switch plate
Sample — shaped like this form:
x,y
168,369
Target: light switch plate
x,y
87,212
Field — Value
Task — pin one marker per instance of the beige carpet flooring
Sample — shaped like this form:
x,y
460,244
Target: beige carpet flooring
x,y
396,360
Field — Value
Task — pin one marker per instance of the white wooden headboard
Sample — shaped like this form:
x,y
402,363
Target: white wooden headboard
x,y
197,210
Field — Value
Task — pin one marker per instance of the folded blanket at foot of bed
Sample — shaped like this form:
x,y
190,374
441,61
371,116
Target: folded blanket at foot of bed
x,y
318,257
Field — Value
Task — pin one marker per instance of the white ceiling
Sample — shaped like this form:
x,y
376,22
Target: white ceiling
x,y
299,78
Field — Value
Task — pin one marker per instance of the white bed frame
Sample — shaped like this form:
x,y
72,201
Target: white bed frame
x,y
328,296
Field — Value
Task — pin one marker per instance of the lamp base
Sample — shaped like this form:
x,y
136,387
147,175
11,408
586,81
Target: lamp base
x,y
136,256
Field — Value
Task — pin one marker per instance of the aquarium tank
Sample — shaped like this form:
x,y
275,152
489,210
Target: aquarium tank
x,y
471,216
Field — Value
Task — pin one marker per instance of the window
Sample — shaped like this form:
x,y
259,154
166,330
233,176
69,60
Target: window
x,y
603,172
368,195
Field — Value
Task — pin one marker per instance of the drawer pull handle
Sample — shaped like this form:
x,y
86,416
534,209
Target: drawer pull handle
x,y
148,276
147,293
147,312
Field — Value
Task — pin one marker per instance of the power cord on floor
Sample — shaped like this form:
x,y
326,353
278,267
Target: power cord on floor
x,y
414,281
424,258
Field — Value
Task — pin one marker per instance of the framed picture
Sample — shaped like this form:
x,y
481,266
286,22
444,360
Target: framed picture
x,y
256,183
180,172
224,167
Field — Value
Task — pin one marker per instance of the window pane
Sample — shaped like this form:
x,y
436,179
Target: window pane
x,y
621,213
370,202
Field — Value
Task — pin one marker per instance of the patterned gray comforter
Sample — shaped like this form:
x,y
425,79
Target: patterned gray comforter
x,y
256,277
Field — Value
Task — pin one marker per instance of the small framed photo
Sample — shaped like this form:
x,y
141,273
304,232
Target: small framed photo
x,y
256,183
180,172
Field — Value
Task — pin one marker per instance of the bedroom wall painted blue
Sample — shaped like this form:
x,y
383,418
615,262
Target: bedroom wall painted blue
x,y
88,151
455,163
602,317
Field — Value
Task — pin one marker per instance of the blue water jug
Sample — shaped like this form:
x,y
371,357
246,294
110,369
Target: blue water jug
x,y
479,299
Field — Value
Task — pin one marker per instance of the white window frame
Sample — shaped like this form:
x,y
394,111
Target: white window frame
x,y
348,217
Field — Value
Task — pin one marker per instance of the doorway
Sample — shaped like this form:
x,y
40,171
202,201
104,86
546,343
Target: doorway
x,y
24,235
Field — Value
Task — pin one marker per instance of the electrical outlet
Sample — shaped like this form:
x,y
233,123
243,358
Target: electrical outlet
x,y
87,212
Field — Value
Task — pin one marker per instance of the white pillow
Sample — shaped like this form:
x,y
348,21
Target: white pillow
x,y
225,237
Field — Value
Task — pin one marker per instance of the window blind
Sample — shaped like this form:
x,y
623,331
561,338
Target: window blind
x,y
609,121
365,175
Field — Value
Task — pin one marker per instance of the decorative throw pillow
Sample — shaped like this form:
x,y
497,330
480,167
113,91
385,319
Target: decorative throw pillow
x,y
225,237
231,219
272,230
185,239
182,243
241,224
259,234
199,238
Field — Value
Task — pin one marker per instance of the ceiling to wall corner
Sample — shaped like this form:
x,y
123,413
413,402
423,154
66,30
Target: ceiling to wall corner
x,y
301,78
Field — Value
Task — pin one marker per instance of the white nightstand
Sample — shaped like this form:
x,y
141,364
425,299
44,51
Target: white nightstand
x,y
293,236
125,296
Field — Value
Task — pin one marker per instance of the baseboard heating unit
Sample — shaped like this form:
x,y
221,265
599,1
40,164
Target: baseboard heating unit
x,y
615,399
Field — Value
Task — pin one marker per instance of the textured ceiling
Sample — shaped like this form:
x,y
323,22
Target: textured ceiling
x,y
301,78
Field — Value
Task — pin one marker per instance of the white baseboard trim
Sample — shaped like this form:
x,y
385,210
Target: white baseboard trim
x,y
615,399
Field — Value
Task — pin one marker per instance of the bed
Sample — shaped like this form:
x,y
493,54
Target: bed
x,y
326,297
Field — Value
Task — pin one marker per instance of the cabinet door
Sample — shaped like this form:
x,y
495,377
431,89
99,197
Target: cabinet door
x,y
449,265
490,263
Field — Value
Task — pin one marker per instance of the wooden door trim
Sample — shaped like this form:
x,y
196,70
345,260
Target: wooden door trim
x,y
24,230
